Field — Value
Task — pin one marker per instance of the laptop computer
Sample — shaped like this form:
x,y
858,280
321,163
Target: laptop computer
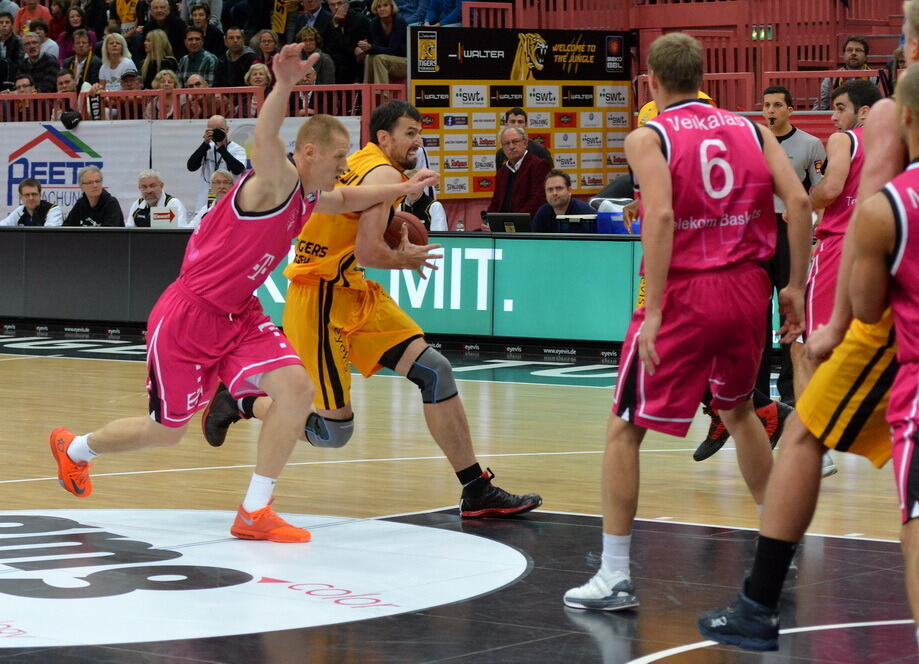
x,y
508,222
577,223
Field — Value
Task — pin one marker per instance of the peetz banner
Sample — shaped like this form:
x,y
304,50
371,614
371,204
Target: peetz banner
x,y
463,80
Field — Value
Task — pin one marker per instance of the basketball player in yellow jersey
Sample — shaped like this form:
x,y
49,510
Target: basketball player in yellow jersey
x,y
843,407
335,317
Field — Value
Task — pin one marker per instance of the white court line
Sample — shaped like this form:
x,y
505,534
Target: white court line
x,y
729,527
27,357
322,463
656,657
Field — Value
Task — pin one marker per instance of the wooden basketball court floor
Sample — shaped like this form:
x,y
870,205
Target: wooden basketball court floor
x,y
539,426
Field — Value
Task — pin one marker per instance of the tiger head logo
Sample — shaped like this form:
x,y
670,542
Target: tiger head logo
x,y
428,49
531,50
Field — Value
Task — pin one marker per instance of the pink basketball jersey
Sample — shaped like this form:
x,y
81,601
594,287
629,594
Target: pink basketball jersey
x,y
837,214
722,187
232,252
903,194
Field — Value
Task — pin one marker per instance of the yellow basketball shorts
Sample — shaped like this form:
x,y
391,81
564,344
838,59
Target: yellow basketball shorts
x,y
845,403
332,327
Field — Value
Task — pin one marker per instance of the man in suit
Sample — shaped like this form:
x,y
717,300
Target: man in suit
x,y
520,180
314,16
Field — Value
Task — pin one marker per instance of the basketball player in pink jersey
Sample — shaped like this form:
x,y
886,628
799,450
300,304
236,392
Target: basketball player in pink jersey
x,y
208,326
835,194
706,178
886,272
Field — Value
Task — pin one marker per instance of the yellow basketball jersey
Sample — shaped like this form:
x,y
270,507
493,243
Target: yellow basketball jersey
x,y
325,247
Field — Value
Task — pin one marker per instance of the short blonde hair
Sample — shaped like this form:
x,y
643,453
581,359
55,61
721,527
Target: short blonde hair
x,y
676,60
164,73
258,66
377,3
320,129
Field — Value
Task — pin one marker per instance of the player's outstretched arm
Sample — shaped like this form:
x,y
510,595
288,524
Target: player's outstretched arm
x,y
873,237
355,199
275,176
369,246
798,212
643,151
838,164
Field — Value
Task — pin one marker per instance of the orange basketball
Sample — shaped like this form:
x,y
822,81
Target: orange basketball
x,y
417,233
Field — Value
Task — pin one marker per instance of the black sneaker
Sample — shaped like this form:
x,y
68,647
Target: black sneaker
x,y
717,436
773,418
742,623
481,498
220,413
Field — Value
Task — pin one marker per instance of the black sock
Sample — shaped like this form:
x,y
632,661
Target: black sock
x,y
769,569
707,399
466,475
245,406
760,399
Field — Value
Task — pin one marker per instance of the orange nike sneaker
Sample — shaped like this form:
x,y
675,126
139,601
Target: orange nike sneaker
x,y
264,524
73,476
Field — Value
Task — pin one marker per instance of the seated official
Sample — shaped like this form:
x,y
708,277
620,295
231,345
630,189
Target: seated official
x,y
96,207
152,196
519,182
33,211
517,117
559,201
422,205
221,183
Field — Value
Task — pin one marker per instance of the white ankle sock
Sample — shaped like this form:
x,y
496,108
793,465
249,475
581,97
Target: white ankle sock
x,y
259,493
80,451
616,554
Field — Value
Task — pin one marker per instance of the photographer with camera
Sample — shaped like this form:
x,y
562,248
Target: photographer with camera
x,y
216,152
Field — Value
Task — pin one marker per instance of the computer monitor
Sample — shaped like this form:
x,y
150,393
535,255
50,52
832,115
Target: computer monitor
x,y
508,222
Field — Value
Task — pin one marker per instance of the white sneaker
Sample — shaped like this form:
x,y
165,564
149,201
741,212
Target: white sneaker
x,y
829,468
603,593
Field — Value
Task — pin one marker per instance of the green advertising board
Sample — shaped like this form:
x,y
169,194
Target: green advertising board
x,y
546,288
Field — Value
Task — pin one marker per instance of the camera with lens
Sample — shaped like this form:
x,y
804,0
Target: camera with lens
x,y
218,135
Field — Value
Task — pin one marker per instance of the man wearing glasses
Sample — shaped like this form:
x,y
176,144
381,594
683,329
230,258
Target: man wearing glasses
x,y
96,207
519,181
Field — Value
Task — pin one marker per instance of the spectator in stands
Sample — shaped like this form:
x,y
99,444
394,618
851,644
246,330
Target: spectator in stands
x,y
199,107
266,47
444,13
517,117
314,15
26,110
95,207
559,201
152,196
66,82
347,29
124,13
519,183
76,22
385,50
324,67
197,60
855,57
422,205
215,153
48,46
258,76
83,64
29,10
167,81
888,75
221,183
413,12
33,211
159,56
235,62
42,68
213,36
299,105
24,85
163,18
10,44
131,80
116,60
291,16
9,7
96,14
58,22
214,10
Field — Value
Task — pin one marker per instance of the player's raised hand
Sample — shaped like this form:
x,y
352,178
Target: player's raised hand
x,y
289,68
418,256
421,180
